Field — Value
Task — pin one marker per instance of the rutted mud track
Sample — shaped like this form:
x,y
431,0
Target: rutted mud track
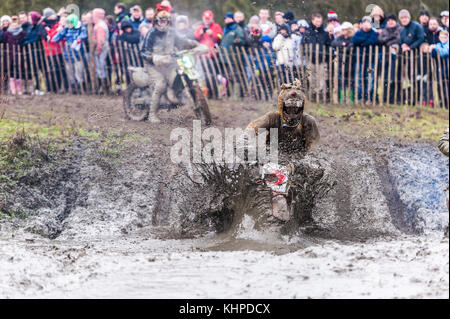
x,y
355,194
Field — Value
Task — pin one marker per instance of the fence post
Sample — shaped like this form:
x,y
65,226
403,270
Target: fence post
x,y
269,71
383,74
252,74
258,87
261,72
336,75
206,74
210,65
62,68
389,78
439,74
221,67
375,74
350,73
225,69
241,69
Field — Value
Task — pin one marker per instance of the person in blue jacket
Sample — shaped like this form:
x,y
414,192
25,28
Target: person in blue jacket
x,y
365,38
412,34
440,51
74,33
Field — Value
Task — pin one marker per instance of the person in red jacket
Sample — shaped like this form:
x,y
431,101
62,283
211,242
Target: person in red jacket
x,y
54,52
209,33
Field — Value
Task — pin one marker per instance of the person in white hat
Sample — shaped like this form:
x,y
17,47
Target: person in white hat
x,y
5,21
444,20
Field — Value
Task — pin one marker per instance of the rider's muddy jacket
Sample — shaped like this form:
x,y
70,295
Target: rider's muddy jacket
x,y
443,143
301,138
164,43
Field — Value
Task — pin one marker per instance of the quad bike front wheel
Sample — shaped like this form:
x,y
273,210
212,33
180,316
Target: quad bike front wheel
x,y
136,102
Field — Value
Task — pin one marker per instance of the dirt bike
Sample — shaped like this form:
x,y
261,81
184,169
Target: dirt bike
x,y
277,178
186,84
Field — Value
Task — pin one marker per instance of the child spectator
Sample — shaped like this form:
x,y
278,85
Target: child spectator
x,y
143,30
74,33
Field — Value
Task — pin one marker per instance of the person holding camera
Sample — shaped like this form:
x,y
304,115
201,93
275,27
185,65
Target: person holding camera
x,y
209,33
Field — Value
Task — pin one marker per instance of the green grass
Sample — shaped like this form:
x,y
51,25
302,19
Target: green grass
x,y
406,122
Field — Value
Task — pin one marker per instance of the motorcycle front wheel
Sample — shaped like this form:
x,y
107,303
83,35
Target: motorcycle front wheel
x,y
136,102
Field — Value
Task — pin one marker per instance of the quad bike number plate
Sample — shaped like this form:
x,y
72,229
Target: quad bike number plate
x,y
276,177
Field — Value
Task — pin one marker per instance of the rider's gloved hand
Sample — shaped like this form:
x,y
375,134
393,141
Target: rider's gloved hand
x,y
162,60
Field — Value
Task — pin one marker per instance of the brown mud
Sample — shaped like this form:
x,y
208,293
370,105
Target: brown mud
x,y
356,191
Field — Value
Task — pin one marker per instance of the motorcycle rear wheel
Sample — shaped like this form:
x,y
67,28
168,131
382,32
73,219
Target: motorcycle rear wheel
x,y
202,104
137,111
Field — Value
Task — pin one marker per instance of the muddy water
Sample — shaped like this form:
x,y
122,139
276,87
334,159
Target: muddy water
x,y
369,223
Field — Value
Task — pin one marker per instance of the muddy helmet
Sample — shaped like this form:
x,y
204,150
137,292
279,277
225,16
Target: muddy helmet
x,y
291,104
163,18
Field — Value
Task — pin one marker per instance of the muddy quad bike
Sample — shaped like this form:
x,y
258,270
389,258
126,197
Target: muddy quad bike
x,y
277,178
186,84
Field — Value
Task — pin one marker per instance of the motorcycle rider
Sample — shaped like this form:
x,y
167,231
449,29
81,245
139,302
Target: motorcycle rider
x,y
297,131
158,50
444,148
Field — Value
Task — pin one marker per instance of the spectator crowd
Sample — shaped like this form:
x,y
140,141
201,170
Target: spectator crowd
x,y
272,42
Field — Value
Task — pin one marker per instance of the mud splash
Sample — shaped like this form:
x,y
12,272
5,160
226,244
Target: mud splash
x,y
351,195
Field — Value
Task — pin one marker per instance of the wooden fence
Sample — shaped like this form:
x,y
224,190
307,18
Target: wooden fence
x,y
370,75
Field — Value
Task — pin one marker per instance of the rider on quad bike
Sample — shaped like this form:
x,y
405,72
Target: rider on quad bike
x,y
158,51
297,131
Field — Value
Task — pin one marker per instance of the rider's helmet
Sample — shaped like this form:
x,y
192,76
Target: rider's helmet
x,y
163,18
291,104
